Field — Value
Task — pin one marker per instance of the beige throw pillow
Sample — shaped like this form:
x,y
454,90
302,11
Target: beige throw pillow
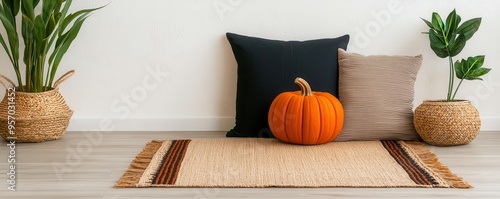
x,y
377,94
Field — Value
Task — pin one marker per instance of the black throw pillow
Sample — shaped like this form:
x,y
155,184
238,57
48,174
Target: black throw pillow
x,y
267,68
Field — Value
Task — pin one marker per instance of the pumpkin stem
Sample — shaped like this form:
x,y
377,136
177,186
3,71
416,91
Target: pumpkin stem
x,y
304,86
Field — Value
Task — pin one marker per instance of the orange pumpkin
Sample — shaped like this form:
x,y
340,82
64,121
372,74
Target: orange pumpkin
x,y
306,117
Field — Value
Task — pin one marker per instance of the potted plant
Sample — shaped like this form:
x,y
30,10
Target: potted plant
x,y
451,121
34,110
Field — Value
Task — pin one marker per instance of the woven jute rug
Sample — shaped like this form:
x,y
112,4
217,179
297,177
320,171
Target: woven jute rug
x,y
253,162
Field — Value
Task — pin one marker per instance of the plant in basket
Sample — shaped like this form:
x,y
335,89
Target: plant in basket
x,y
34,110
451,122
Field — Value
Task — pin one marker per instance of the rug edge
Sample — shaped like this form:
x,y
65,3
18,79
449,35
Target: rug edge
x,y
140,163
432,162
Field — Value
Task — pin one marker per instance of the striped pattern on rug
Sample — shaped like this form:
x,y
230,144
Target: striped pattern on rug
x,y
414,170
251,162
167,173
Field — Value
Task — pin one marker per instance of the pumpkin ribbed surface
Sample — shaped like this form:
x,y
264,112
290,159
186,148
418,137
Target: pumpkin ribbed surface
x,y
306,117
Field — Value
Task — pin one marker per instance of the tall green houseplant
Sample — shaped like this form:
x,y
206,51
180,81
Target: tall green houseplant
x,y
47,36
448,39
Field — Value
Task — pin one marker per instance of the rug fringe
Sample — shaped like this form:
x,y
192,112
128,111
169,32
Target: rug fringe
x,y
132,176
431,161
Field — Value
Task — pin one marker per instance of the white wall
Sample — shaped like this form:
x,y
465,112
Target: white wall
x,y
182,42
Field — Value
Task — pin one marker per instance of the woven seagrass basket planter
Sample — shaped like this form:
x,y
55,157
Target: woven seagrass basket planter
x,y
38,117
442,123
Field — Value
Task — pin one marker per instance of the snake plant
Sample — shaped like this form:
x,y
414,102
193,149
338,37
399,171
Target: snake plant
x,y
47,30
448,39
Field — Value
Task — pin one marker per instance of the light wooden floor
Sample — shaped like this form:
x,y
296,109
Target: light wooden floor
x,y
74,167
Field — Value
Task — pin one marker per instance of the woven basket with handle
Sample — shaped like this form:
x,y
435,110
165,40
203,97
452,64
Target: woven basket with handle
x,y
38,117
444,123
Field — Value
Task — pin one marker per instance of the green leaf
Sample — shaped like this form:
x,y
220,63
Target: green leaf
x,y
436,40
437,22
58,45
27,30
64,12
457,46
428,23
437,44
75,15
28,9
57,7
476,62
469,27
439,52
471,69
452,23
39,34
459,69
57,17
64,46
7,50
8,12
67,20
13,5
12,36
479,72
51,25
48,9
450,20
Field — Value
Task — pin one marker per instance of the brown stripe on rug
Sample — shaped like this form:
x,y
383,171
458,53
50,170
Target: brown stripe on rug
x,y
416,173
167,173
252,162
